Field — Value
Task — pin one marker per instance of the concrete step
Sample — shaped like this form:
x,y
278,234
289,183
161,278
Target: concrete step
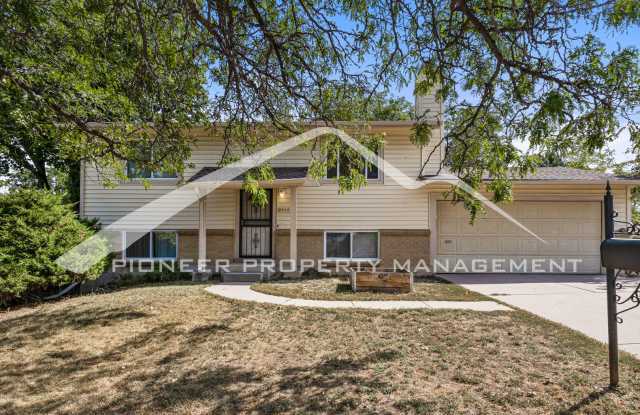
x,y
242,276
249,267
242,268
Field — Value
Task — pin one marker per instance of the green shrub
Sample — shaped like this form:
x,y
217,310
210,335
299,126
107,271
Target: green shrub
x,y
129,279
36,227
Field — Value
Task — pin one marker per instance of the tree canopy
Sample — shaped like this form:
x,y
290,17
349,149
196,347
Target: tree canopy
x,y
506,71
99,80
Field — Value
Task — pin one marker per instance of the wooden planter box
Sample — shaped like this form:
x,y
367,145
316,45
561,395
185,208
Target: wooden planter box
x,y
381,280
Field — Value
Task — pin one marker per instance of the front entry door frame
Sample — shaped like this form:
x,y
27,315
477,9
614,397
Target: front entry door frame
x,y
260,220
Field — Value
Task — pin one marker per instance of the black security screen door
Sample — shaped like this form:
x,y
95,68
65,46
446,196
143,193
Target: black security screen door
x,y
255,227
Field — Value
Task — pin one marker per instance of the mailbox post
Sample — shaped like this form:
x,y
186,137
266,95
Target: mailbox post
x,y
612,306
617,255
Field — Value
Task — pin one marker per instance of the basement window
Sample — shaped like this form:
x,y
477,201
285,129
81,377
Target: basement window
x,y
353,245
151,245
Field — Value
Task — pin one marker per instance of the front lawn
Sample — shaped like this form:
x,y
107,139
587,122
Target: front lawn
x,y
428,288
176,349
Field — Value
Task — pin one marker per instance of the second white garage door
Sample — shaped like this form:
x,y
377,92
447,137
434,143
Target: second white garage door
x,y
572,231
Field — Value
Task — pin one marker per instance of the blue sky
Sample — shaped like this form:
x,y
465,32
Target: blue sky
x,y
612,40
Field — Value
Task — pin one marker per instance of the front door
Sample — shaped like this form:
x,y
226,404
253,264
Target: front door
x,y
255,227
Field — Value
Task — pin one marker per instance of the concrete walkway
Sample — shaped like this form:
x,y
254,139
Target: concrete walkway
x,y
242,291
576,301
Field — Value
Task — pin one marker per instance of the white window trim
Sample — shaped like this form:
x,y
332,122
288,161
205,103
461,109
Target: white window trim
x,y
366,169
351,258
150,257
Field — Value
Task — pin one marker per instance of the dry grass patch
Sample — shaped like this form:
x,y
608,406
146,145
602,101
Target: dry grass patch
x,y
177,349
428,288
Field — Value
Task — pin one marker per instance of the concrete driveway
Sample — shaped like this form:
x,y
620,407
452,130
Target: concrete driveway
x,y
576,301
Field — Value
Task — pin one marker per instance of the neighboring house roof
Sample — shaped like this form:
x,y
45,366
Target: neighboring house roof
x,y
281,173
571,174
561,175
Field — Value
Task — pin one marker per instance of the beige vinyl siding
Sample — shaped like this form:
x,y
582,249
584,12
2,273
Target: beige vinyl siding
x,y
110,204
374,207
221,209
382,205
207,151
428,105
379,205
432,155
406,156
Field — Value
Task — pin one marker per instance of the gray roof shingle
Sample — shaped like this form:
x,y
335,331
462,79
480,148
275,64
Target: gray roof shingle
x,y
281,173
570,174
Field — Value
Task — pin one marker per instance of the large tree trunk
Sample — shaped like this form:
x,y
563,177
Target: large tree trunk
x,y
40,173
72,184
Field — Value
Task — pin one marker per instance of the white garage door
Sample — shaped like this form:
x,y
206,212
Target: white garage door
x,y
572,231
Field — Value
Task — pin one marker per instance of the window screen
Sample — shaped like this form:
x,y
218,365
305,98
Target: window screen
x,y
164,244
141,247
338,245
365,245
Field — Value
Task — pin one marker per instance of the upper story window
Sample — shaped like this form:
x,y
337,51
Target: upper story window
x,y
136,171
370,171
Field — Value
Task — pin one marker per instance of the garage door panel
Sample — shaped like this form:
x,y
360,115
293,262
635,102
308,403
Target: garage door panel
x,y
549,248
466,228
511,246
487,227
529,246
589,264
572,230
588,210
469,244
589,246
569,246
450,211
449,226
492,214
553,228
478,245
590,229
528,211
488,245
509,229
447,246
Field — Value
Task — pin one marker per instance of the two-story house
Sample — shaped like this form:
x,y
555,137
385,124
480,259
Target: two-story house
x,y
310,219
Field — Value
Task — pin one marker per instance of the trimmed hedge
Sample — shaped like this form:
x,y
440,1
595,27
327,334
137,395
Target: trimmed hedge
x,y
36,227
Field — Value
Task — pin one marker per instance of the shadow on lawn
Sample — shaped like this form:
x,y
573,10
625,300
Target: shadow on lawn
x,y
36,326
136,375
301,388
586,401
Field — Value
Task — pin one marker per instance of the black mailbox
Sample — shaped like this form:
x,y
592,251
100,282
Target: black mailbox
x,y
621,254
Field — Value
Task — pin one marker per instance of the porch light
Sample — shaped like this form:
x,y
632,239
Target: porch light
x,y
283,192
